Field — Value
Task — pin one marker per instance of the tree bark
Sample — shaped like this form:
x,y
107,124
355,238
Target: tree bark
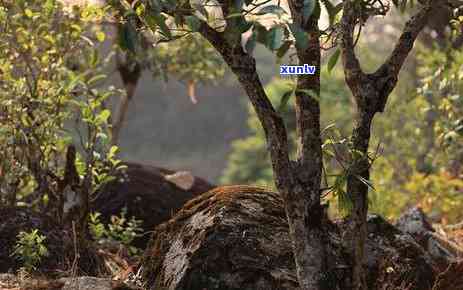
x,y
311,265
371,92
297,182
357,191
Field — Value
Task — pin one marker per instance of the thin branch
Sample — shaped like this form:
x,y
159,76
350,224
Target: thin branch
x,y
405,43
351,63
244,67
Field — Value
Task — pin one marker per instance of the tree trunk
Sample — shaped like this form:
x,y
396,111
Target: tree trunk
x,y
304,204
357,190
297,182
299,189
371,92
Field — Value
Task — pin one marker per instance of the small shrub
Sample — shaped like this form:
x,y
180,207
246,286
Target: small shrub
x,y
97,229
30,249
120,230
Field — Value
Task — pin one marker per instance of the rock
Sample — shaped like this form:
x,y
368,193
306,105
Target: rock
x,y
394,260
216,242
11,282
182,179
8,281
443,251
149,193
415,223
93,283
236,237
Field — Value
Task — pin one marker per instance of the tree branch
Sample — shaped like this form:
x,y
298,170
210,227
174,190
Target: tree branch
x,y
244,67
387,74
352,70
307,104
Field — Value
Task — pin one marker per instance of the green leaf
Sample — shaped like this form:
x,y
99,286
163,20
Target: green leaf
x,y
193,23
243,25
112,152
274,37
48,6
261,32
128,37
284,100
28,13
100,36
366,182
302,39
332,125
333,60
234,15
96,78
307,10
274,9
332,10
316,11
345,202
103,116
140,10
283,49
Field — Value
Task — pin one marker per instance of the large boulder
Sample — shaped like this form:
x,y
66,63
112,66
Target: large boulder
x,y
415,223
236,237
149,193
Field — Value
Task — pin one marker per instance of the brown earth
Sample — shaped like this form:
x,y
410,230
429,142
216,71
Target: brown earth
x,y
59,243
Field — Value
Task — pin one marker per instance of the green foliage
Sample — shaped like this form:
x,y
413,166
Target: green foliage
x,y
186,56
443,82
30,249
169,20
422,156
97,229
190,58
51,93
438,194
120,230
419,158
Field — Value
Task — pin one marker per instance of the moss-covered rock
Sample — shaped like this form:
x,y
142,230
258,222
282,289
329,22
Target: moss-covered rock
x,y
236,237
